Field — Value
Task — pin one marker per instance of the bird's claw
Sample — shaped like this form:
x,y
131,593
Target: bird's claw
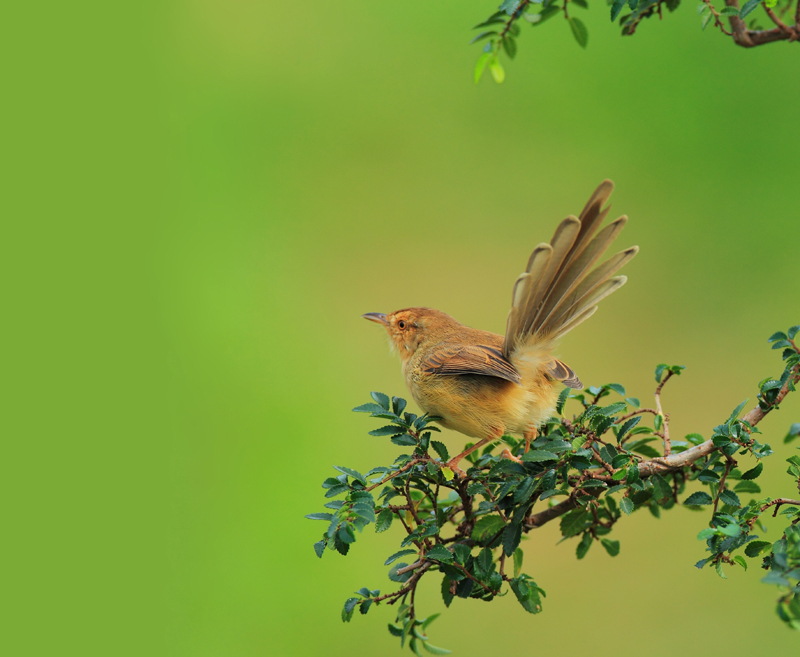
x,y
506,454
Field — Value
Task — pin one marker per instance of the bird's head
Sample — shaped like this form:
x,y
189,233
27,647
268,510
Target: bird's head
x,y
411,327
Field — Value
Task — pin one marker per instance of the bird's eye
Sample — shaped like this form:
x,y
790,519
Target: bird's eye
x,y
401,324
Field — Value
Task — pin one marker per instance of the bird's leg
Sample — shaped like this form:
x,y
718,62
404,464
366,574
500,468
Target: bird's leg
x,y
453,462
530,436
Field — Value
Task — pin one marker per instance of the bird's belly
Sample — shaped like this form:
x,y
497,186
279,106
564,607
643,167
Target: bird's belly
x,y
480,406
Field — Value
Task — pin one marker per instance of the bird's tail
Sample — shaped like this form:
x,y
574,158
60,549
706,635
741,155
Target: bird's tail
x,y
561,286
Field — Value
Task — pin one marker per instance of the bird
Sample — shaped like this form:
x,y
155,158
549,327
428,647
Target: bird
x,y
485,385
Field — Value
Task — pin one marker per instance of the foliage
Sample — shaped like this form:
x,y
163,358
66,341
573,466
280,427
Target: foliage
x,y
500,31
602,463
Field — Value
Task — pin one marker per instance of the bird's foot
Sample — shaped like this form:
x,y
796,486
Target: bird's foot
x,y
506,454
452,464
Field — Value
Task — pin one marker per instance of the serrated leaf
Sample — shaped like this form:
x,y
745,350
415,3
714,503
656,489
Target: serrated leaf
x,y
384,521
388,430
320,516
381,399
397,555
536,455
736,411
319,548
368,408
355,474
518,556
627,426
698,498
661,487
729,497
747,487
486,527
754,548
562,399
613,409
754,472
748,7
633,401
439,553
574,522
440,449
404,440
626,504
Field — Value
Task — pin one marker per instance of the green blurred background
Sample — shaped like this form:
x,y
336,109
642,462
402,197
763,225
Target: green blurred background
x,y
206,196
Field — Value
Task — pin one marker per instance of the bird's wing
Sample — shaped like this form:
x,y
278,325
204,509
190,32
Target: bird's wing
x,y
560,288
451,360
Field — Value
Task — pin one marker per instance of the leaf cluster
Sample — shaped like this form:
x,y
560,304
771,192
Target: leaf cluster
x,y
605,460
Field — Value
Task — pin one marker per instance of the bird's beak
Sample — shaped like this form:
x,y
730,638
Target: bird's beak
x,y
379,318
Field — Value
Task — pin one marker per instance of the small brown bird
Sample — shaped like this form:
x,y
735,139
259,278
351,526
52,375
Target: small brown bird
x,y
486,385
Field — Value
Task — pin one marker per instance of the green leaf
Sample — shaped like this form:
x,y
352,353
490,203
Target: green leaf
x,y
518,556
579,31
440,449
527,593
754,548
780,335
794,432
736,411
486,527
718,567
747,487
319,548
626,504
613,409
612,547
397,555
384,521
497,70
404,440
368,408
480,65
320,516
633,401
729,11
660,368
512,535
661,487
729,497
510,47
698,498
574,522
627,426
740,560
509,6
695,438
388,430
349,608
434,650
584,545
536,455
753,473
482,35
439,553
748,7
616,387
793,331
562,399
381,399
355,474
